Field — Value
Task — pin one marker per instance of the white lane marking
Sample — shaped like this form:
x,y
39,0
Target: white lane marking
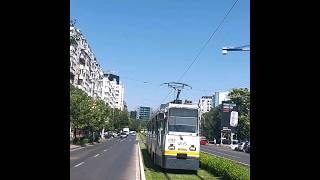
x,y
107,149
220,153
76,149
96,155
79,164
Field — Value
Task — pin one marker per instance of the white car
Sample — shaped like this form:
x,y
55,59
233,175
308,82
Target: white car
x,y
114,135
240,146
123,135
234,145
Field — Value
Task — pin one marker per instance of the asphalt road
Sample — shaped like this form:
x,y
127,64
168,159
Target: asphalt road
x,y
116,159
238,156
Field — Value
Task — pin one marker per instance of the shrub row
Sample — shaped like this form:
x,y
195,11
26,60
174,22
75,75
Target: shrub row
x,y
224,167
84,140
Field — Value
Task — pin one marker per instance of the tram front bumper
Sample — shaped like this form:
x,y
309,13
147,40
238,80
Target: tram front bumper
x,y
172,162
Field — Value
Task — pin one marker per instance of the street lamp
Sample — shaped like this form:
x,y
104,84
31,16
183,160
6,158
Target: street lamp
x,y
241,48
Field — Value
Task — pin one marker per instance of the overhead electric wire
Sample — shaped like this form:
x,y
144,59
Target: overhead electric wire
x,y
243,46
207,42
146,82
204,46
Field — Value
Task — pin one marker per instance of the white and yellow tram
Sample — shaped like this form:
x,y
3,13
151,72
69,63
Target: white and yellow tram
x,y
173,137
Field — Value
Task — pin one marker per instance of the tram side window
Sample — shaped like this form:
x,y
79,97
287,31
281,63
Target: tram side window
x,y
165,122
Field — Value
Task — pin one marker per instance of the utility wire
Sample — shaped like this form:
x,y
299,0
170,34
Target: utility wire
x,y
205,45
220,24
153,84
145,82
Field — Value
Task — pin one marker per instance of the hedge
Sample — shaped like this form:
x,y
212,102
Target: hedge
x,y
84,141
224,167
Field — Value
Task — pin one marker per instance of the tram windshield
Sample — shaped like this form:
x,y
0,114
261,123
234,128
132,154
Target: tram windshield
x,y
183,120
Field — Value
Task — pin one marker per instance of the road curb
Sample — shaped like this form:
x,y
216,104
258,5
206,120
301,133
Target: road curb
x,y
141,166
87,145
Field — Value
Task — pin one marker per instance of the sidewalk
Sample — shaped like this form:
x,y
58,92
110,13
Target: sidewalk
x,y
72,146
223,146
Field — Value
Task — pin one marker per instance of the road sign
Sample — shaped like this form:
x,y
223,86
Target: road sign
x,y
234,119
226,117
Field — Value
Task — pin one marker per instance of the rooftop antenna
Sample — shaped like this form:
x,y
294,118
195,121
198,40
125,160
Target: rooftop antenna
x,y
177,87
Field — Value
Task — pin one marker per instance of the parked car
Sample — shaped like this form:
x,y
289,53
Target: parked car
x,y
204,141
246,147
123,135
107,135
240,146
234,144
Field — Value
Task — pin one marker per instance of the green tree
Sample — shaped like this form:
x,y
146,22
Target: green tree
x,y
136,124
94,114
100,113
79,109
241,97
210,123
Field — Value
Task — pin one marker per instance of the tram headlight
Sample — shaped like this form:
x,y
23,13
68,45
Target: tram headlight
x,y
192,148
171,147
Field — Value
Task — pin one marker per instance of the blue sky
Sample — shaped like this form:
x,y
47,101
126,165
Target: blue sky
x,y
155,41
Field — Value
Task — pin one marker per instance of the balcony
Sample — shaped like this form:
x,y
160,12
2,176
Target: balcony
x,y
72,69
82,61
80,81
81,76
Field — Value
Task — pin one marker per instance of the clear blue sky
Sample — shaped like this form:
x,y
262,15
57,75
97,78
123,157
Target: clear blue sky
x,y
155,41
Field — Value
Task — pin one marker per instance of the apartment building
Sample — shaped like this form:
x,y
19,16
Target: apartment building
x,y
87,74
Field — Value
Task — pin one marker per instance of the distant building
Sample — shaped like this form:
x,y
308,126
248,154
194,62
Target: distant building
x,y
205,104
218,97
144,113
133,114
113,91
125,106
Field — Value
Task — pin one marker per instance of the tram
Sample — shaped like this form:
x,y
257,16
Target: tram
x,y
173,140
